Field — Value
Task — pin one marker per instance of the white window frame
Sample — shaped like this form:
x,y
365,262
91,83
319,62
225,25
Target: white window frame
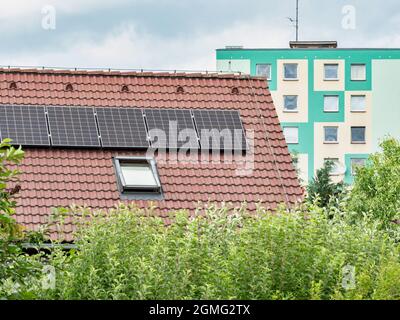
x,y
297,134
284,103
269,76
337,135
358,65
330,96
337,74
351,103
297,71
146,190
335,170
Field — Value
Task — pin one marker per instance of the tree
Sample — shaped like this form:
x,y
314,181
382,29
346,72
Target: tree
x,y
322,187
376,191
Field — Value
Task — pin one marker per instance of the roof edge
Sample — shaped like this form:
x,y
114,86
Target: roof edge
x,y
129,73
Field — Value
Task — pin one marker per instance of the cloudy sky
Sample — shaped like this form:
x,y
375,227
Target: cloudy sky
x,y
179,34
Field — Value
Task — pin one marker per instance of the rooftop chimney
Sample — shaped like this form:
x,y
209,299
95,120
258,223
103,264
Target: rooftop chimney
x,y
312,44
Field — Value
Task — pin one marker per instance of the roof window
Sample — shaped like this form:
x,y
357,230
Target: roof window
x,y
137,178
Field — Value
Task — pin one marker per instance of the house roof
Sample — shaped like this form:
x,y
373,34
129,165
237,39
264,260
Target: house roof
x,y
53,177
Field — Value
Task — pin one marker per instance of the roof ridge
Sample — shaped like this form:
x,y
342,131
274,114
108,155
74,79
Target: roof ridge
x,y
129,73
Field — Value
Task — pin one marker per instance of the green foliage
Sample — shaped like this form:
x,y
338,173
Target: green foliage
x,y
127,253
376,191
322,188
16,267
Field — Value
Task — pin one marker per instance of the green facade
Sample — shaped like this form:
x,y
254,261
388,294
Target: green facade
x,y
382,72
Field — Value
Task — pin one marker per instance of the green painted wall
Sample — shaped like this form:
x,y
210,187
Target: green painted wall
x,y
382,69
386,100
349,178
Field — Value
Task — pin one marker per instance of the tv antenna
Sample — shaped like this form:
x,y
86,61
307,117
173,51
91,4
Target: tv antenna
x,y
296,21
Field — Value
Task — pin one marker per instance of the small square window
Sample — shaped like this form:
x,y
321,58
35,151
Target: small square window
x,y
290,103
264,70
290,71
291,134
358,72
357,134
331,103
137,176
357,103
331,71
337,168
357,163
330,134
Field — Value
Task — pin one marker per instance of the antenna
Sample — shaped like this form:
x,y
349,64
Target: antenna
x,y
296,21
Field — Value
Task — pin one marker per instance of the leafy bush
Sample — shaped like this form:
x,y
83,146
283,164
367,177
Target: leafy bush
x,y
376,191
16,267
128,253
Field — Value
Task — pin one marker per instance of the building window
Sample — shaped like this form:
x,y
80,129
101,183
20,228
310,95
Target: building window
x,y
291,134
357,134
330,134
290,103
358,72
137,176
263,70
357,103
290,71
331,71
331,103
337,168
357,163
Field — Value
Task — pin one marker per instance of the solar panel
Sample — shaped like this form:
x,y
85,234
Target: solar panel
x,y
122,128
25,125
220,129
171,128
73,126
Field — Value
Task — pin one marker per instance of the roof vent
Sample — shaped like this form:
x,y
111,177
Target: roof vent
x,y
180,90
312,44
13,85
125,88
235,90
69,87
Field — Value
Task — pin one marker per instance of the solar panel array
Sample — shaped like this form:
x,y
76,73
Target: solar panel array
x,y
25,125
73,126
122,127
171,128
220,129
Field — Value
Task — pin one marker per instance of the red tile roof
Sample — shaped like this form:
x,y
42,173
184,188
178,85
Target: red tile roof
x,y
58,177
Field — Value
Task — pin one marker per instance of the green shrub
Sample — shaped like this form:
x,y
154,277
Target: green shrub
x,y
127,253
376,192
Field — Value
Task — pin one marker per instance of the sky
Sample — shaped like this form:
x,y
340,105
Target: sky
x,y
180,34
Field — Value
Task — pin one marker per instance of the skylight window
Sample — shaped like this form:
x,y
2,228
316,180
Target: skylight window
x,y
137,176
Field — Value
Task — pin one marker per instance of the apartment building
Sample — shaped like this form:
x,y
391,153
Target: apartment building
x,y
333,103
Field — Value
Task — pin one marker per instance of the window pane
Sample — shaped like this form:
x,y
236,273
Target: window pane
x,y
331,134
291,134
263,70
331,103
290,70
358,134
290,103
336,169
358,72
357,103
138,174
357,163
331,71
